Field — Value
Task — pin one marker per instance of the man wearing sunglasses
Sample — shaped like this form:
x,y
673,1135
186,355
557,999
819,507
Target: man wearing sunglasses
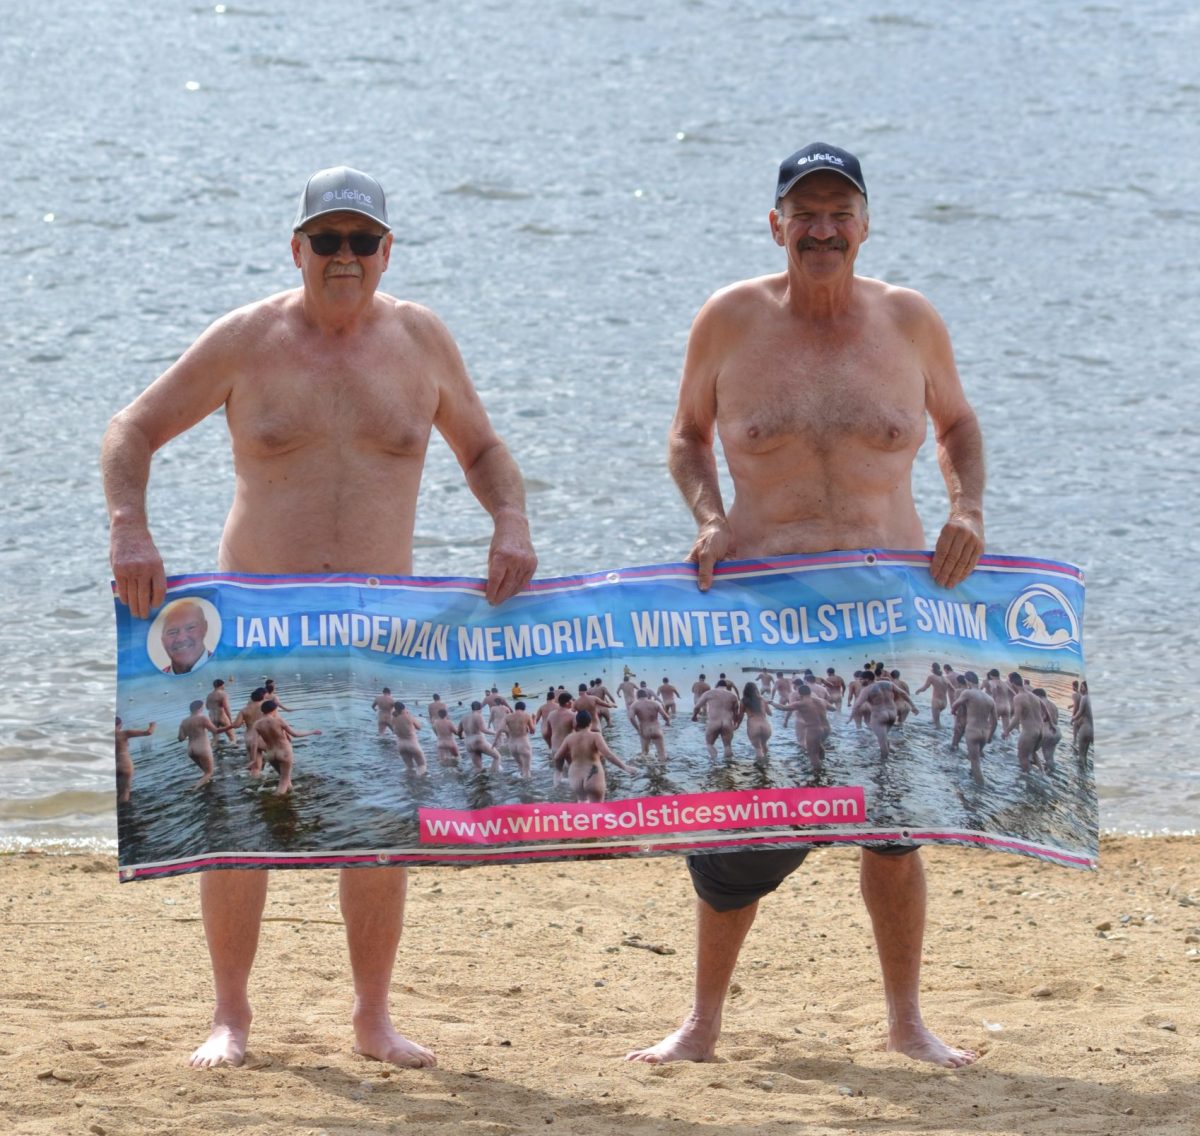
x,y
330,391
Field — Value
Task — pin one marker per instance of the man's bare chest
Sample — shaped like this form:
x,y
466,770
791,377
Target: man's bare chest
x,y
776,393
356,402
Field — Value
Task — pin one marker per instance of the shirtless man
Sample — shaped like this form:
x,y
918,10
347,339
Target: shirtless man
x,y
1081,723
960,717
880,701
628,689
587,700
644,714
1028,716
605,703
812,724
581,756
516,727
216,704
542,718
765,681
1051,734
699,687
474,732
819,383
940,697
330,391
960,722
836,685
858,709
194,730
383,709
668,695
275,742
273,694
405,727
446,732
815,691
122,734
1002,695
435,707
562,722
976,710
250,714
904,708
722,709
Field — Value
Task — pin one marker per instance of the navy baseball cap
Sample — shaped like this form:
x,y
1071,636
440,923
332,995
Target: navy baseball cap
x,y
341,189
818,156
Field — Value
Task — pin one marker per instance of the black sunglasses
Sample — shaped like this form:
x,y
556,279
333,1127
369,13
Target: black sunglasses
x,y
361,244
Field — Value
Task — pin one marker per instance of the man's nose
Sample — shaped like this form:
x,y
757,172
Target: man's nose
x,y
822,228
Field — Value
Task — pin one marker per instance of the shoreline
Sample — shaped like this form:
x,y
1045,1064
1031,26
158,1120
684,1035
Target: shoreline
x,y
1080,990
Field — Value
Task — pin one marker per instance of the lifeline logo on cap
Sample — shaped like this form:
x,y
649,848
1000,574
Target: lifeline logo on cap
x,y
341,189
818,156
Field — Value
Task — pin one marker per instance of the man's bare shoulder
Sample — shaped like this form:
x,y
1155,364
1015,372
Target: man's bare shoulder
x,y
906,306
416,318
260,315
735,299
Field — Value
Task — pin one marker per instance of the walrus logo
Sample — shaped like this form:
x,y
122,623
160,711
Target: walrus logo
x,y
1042,617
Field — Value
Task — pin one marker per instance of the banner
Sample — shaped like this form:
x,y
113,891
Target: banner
x,y
300,721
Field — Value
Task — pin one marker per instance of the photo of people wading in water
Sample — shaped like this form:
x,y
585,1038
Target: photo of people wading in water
x,y
816,702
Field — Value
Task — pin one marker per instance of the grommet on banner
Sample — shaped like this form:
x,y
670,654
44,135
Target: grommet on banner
x,y
870,558
613,577
127,874
372,581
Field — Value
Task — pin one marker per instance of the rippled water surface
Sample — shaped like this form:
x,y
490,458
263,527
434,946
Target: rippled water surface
x,y
568,183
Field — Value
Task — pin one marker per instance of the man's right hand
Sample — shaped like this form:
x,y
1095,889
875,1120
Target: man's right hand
x,y
713,544
137,569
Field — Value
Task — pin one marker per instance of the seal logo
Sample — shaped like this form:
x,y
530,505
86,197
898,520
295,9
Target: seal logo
x,y
1042,617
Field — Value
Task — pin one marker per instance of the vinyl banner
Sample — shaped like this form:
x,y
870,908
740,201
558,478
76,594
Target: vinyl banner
x,y
281,721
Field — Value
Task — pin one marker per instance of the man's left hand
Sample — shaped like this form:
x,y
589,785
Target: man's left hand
x,y
511,560
958,549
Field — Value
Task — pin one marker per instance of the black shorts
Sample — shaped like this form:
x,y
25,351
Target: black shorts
x,y
729,880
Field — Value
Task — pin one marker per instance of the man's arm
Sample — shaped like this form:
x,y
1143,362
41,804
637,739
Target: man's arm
x,y
959,449
606,754
189,390
690,456
492,474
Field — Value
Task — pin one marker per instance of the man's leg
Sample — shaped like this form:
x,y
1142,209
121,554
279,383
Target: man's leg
x,y
893,888
728,887
372,901
231,903
719,938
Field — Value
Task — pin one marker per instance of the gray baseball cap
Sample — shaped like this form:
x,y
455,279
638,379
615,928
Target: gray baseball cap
x,y
341,189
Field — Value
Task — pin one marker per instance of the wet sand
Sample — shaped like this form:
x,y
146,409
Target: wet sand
x,y
1081,990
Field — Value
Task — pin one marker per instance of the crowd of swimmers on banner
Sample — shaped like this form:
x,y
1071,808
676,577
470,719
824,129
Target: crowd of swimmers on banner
x,y
876,698
267,737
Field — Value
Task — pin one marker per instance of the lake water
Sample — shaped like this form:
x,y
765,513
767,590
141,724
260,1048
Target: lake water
x,y
568,182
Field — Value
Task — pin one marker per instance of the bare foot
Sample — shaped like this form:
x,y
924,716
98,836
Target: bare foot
x,y
226,1045
918,1043
383,1043
690,1042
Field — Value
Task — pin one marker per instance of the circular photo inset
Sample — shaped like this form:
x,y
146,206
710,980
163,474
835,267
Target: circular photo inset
x,y
183,635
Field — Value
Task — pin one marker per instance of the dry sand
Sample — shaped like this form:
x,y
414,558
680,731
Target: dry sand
x,y
1081,990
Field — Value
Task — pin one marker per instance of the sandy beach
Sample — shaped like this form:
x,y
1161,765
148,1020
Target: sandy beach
x,y
1081,991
